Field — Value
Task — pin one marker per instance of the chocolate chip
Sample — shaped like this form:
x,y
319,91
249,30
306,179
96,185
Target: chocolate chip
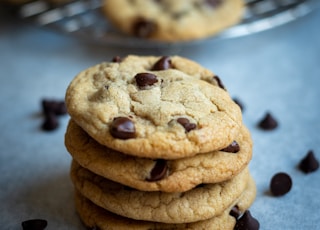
x,y
34,224
122,128
56,107
235,212
162,64
143,28
219,82
309,163
232,148
268,122
280,184
145,79
247,222
159,170
186,124
214,3
116,59
239,103
50,122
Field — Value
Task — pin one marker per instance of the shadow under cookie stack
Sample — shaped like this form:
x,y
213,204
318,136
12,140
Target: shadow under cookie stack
x,y
157,143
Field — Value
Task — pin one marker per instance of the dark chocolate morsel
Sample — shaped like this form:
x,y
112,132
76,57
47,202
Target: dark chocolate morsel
x,y
239,103
186,124
235,212
143,27
214,3
122,128
268,122
145,79
309,163
53,106
34,224
219,82
232,148
50,122
159,170
280,184
247,222
162,64
116,59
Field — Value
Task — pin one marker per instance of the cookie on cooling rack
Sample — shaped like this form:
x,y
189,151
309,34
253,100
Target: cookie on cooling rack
x,y
178,20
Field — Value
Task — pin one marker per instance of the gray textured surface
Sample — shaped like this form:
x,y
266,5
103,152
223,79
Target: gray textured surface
x,y
277,70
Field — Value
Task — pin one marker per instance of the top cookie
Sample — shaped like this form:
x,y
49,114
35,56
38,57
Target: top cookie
x,y
177,20
146,109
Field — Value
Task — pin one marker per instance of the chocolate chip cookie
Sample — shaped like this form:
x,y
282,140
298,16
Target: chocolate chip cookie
x,y
146,109
179,20
157,174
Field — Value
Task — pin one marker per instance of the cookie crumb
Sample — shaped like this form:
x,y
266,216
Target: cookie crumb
x,y
280,184
309,163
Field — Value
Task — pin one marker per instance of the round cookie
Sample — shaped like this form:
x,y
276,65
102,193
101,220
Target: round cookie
x,y
178,20
200,203
164,113
176,176
95,217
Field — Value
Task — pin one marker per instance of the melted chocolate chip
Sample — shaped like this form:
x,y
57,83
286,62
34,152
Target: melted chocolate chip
x,y
219,82
116,59
186,124
247,222
235,212
159,171
268,122
34,224
145,79
143,28
280,184
122,128
50,122
232,148
214,3
162,64
309,163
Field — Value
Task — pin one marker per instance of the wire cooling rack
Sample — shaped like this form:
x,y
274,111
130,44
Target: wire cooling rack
x,y
84,19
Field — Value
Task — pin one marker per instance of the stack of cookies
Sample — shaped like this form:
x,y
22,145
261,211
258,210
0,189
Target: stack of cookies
x,y
157,143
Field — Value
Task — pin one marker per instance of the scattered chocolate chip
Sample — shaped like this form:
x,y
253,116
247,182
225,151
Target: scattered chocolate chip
x,y
232,148
247,222
143,28
122,128
56,107
162,64
214,3
50,122
186,124
280,184
159,171
309,163
239,103
268,122
145,79
34,224
219,82
235,212
116,59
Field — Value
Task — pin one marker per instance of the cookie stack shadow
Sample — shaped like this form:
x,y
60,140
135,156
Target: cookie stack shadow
x,y
117,190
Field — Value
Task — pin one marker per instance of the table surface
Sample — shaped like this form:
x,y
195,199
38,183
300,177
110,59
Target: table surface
x,y
276,70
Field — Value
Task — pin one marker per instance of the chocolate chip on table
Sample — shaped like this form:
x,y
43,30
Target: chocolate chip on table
x,y
235,212
159,170
143,28
162,64
122,128
309,163
247,222
145,79
34,224
280,184
268,122
50,122
188,126
239,103
57,107
232,148
219,82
